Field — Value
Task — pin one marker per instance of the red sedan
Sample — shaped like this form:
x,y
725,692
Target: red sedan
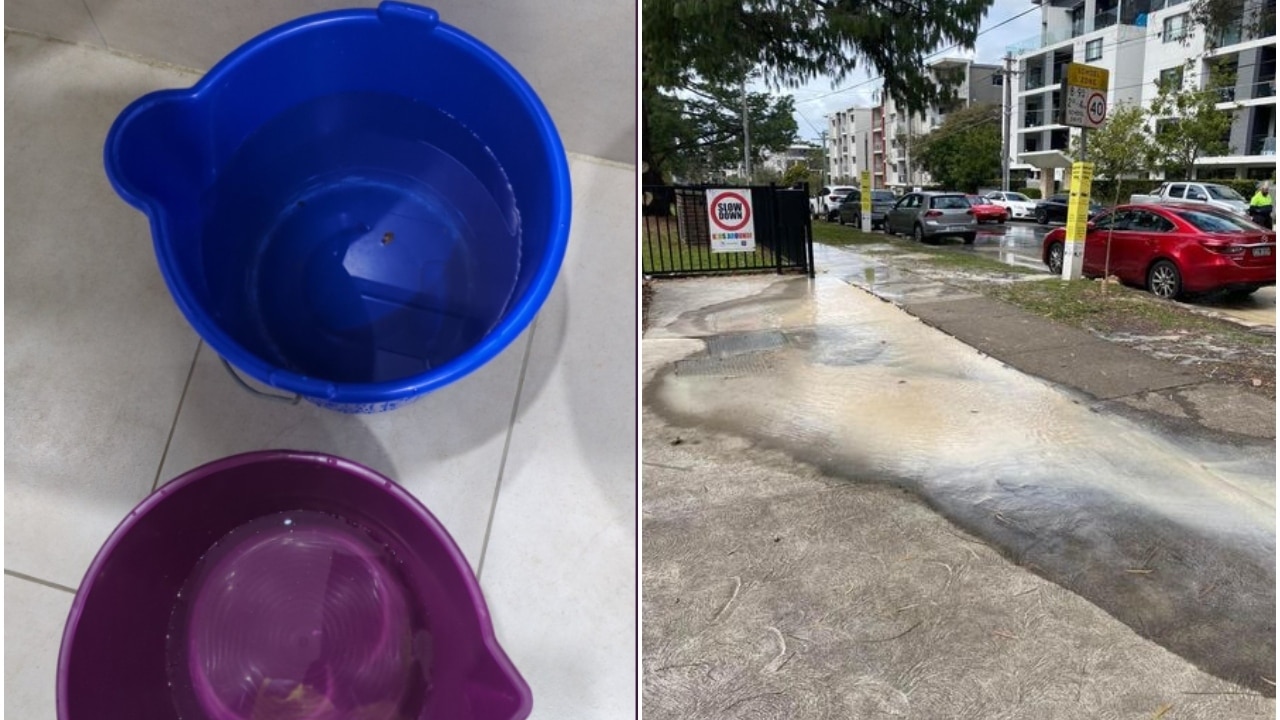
x,y
984,210
1174,250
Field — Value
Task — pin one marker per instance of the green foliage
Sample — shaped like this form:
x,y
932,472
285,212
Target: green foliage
x,y
1118,192
797,173
793,42
719,42
1031,192
1188,125
964,152
1225,21
697,132
1120,147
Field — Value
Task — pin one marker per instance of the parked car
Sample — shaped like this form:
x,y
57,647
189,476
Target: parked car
x,y
851,209
1054,209
836,201
931,215
825,203
1211,193
882,201
1174,250
985,210
1020,206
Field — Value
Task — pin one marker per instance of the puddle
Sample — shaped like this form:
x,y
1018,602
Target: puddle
x,y
868,393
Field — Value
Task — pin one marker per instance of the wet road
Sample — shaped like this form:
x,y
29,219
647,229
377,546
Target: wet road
x,y
1018,243
1174,538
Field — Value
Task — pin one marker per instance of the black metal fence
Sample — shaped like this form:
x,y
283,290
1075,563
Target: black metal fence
x,y
676,233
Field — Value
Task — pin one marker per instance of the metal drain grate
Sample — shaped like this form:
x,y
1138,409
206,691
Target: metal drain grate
x,y
724,346
735,366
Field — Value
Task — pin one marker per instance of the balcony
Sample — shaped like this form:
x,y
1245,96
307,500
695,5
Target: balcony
x,y
1035,117
1265,88
1044,39
1263,145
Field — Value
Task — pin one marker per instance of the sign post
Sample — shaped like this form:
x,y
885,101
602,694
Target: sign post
x,y
1084,105
732,222
1077,220
866,201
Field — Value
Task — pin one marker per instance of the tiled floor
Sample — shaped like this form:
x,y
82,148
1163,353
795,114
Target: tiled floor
x,y
530,462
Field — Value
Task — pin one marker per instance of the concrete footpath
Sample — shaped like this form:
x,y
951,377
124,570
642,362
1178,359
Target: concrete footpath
x,y
1110,376
775,587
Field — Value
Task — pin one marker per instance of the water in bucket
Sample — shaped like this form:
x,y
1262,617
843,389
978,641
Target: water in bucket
x,y
343,241
298,616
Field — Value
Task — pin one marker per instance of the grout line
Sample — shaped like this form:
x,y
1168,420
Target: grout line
x,y
96,29
506,446
176,414
38,581
617,164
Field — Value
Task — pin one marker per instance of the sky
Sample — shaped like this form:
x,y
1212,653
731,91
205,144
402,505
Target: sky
x,y
819,97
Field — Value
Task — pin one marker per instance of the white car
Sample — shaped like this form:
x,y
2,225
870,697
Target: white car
x,y
1020,206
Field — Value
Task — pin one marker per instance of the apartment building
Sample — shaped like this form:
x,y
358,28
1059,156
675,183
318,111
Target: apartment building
x,y
844,146
1139,42
799,153
894,129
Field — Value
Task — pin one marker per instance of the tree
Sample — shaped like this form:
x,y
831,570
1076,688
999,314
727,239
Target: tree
x,y
696,133
1188,125
1243,18
1119,148
797,173
720,41
964,152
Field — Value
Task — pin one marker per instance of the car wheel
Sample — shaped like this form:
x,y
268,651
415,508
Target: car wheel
x,y
968,239
1055,259
1002,219
919,233
1164,280
1042,217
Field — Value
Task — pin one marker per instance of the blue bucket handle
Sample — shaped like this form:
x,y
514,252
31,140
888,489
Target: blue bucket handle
x,y
269,396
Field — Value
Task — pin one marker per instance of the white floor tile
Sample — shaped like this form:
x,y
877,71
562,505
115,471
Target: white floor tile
x,y
33,619
559,572
96,352
98,357
445,448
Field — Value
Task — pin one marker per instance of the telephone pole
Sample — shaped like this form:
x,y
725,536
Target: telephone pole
x,y
826,180
746,135
1007,145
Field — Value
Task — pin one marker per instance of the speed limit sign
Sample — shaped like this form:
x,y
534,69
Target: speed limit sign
x,y
1096,108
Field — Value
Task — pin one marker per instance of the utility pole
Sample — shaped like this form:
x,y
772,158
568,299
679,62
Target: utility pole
x,y
746,135
907,154
826,179
1007,146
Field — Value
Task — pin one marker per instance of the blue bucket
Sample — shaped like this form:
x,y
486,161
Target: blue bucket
x,y
357,207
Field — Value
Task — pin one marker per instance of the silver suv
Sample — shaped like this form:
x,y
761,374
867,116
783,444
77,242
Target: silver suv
x,y
930,215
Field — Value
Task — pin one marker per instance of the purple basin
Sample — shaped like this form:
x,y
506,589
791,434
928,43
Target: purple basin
x,y
283,586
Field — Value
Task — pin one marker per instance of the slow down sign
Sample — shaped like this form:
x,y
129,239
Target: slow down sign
x,y
732,224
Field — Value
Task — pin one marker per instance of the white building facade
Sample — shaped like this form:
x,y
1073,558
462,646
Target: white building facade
x,y
797,154
1138,41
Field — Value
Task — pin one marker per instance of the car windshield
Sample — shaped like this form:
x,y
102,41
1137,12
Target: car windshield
x,y
1214,222
1222,192
886,195
976,200
1016,197
949,202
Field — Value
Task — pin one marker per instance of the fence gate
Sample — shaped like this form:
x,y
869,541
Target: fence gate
x,y
677,233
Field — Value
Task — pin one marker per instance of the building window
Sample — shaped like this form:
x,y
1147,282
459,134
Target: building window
x,y
1175,28
1171,77
997,79
1093,50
